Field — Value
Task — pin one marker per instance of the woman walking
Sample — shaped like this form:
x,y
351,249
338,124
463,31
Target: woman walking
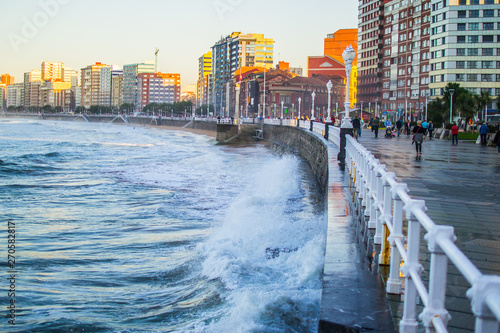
x,y
418,137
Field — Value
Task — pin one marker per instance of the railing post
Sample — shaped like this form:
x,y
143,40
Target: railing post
x,y
408,323
378,203
386,216
437,277
311,128
394,282
483,288
372,223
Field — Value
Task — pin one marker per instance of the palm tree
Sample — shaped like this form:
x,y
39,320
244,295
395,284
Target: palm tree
x,y
482,101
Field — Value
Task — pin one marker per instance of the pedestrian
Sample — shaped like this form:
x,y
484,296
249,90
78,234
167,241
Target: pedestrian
x,y
356,125
454,133
430,129
407,127
483,131
496,141
418,137
375,125
399,125
362,123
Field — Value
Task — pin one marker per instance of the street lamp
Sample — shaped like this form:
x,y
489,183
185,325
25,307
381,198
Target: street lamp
x,y
293,109
300,100
282,109
426,105
329,86
312,110
348,55
451,103
264,103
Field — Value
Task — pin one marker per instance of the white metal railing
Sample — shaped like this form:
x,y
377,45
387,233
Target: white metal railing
x,y
304,124
383,201
319,128
225,121
334,135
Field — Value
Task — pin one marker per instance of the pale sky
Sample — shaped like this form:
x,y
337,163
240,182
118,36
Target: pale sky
x,y
82,32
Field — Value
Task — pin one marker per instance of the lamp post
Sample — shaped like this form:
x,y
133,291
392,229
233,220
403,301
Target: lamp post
x,y
426,105
451,103
329,86
300,100
348,55
313,95
282,109
406,107
264,93
293,109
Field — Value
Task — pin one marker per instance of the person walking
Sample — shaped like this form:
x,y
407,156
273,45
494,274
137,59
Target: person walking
x,y
399,125
483,131
454,133
430,129
418,137
356,125
375,125
407,127
496,141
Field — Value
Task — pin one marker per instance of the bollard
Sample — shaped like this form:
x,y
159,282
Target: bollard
x,y
341,155
327,130
312,125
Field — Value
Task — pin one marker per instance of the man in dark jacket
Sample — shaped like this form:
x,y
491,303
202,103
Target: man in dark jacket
x,y
356,125
483,131
496,141
375,125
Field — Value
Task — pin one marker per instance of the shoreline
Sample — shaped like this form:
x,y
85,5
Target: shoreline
x,y
208,133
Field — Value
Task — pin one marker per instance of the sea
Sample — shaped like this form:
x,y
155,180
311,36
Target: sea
x,y
120,228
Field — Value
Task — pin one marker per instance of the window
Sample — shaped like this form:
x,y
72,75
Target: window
x,y
489,2
474,13
488,13
460,52
473,26
461,27
474,39
462,14
487,52
498,64
472,52
460,77
474,2
471,64
471,77
487,64
462,2
498,78
461,64
487,39
488,26
486,77
460,39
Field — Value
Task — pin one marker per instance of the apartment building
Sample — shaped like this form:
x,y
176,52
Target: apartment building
x,y
159,88
91,84
131,81
465,45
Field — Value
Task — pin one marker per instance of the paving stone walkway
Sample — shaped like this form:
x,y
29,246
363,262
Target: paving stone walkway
x,y
461,187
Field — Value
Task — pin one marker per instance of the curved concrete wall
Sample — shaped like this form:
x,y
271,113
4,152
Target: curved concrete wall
x,y
305,144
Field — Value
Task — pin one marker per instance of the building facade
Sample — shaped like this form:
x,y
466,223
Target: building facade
x,y
231,53
465,46
405,59
131,81
32,83
369,53
52,71
91,84
159,88
15,95
204,70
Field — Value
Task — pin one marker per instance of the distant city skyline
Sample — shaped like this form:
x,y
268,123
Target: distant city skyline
x,y
82,33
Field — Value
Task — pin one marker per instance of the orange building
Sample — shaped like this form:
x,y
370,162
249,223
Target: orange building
x,y
7,79
335,44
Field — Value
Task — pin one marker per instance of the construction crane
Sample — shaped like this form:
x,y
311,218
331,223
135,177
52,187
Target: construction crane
x,y
156,60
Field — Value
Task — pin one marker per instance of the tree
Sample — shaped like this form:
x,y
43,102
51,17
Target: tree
x,y
47,108
80,109
58,109
436,110
446,97
20,108
202,110
482,100
127,108
466,105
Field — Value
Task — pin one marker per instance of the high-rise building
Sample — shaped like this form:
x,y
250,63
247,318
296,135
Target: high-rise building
x,y
6,79
117,90
71,76
335,45
3,94
15,95
91,84
405,57
131,81
204,70
159,88
56,94
32,83
464,45
52,71
107,75
369,53
230,53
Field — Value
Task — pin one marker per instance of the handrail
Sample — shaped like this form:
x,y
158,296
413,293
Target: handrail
x,y
385,202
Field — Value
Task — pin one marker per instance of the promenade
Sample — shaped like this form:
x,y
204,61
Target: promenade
x,y
461,187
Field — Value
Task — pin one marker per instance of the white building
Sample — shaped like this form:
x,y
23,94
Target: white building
x,y
15,95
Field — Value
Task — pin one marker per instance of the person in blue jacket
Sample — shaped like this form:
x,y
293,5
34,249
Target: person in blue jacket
x,y
483,131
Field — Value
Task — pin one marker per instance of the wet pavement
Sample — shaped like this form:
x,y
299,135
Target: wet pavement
x,y
461,187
